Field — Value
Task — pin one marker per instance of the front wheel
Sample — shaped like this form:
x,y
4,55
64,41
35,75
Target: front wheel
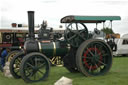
x,y
34,67
94,57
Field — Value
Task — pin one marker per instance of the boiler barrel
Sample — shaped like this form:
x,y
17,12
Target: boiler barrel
x,y
53,48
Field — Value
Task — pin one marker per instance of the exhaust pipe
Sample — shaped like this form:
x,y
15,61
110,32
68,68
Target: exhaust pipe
x,y
31,24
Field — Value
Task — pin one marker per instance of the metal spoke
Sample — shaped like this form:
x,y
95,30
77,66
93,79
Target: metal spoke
x,y
96,67
38,76
80,27
36,61
100,68
71,27
89,57
32,62
90,68
102,62
72,37
90,52
18,60
17,70
30,74
81,36
95,50
41,72
42,65
81,31
76,26
85,62
35,76
86,57
71,30
30,65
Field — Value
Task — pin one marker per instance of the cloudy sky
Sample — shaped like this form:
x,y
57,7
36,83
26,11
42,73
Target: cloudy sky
x,y
54,10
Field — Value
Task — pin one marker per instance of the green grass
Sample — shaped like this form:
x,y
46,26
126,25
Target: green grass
x,y
118,75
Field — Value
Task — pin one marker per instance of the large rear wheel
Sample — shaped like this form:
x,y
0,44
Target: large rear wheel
x,y
94,57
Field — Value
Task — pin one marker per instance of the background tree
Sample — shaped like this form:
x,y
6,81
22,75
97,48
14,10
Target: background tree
x,y
107,30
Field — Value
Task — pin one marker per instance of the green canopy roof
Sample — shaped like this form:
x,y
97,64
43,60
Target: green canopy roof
x,y
88,19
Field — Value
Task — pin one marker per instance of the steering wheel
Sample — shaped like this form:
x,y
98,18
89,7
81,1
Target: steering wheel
x,y
75,34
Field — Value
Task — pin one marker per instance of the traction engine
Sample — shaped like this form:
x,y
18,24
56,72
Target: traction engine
x,y
80,53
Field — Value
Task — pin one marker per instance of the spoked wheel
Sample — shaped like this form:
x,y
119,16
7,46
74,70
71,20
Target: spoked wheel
x,y
15,64
94,57
11,55
76,33
34,67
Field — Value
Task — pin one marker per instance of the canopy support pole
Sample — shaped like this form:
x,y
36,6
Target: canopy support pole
x,y
111,24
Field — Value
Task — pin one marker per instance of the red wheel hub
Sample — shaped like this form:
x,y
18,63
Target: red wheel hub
x,y
91,62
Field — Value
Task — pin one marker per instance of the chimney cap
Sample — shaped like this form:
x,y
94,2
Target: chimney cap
x,y
30,11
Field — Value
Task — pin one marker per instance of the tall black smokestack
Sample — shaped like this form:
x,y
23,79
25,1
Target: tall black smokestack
x,y
31,45
31,24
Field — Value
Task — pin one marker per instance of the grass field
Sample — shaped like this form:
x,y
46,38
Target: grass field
x,y
118,75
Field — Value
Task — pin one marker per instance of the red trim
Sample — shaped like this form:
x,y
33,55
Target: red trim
x,y
5,45
21,39
85,58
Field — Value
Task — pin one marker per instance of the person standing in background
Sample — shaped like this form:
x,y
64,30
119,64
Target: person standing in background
x,y
4,53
